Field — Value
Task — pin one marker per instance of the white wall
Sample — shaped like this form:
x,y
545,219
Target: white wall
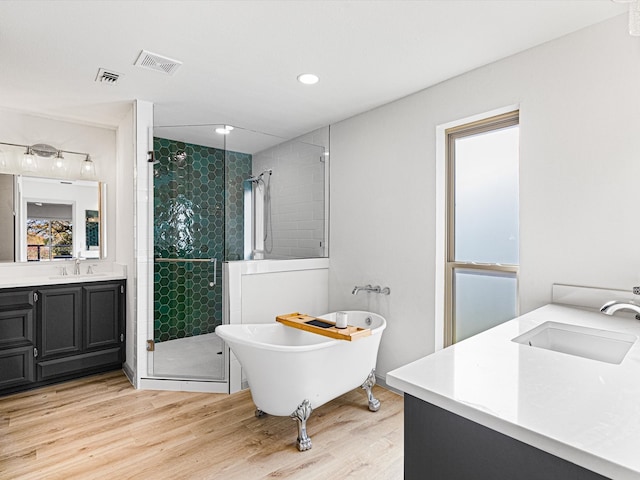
x,y
579,155
124,228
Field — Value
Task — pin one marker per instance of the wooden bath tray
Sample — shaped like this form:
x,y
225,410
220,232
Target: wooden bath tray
x,y
300,320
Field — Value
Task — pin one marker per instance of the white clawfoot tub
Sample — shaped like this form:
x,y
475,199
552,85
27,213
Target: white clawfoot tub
x,y
291,371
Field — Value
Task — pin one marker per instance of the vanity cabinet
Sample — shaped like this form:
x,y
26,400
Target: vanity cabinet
x,y
451,447
55,333
17,340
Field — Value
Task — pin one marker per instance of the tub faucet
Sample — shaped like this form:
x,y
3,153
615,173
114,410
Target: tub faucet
x,y
613,306
369,288
366,288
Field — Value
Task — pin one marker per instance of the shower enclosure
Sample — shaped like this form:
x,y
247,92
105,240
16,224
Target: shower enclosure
x,y
229,196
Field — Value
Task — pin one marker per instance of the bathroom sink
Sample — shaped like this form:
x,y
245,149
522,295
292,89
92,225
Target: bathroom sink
x,y
603,345
82,276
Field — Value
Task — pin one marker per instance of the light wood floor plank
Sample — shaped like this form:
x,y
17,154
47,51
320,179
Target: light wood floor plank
x,y
100,427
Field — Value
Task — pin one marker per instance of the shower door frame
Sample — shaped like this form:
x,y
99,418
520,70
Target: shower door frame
x,y
149,380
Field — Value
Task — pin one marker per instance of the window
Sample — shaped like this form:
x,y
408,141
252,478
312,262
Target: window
x,y
49,231
482,256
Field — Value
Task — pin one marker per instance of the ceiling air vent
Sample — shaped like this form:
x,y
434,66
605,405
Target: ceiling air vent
x,y
156,62
105,76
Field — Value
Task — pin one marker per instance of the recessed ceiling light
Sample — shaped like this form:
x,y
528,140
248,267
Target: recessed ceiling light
x,y
224,130
308,78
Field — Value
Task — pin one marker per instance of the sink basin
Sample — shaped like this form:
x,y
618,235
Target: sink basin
x,y
82,276
601,345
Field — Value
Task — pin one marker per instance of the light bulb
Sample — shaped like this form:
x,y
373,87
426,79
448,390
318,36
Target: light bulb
x,y
4,162
88,169
29,162
224,130
59,166
308,78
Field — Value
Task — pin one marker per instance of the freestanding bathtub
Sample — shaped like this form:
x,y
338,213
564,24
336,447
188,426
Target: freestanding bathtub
x,y
291,371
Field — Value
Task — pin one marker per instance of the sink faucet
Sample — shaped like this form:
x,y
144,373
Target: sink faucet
x,y
76,268
613,306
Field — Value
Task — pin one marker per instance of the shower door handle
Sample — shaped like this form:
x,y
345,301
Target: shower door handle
x,y
215,269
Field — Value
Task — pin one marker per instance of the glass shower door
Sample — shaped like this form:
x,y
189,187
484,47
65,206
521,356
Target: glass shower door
x,y
189,242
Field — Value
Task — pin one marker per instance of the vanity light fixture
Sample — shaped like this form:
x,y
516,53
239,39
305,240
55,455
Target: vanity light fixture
x,y
308,78
224,130
634,16
59,165
88,169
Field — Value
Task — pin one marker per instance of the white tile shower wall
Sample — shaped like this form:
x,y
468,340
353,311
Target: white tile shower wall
x,y
297,195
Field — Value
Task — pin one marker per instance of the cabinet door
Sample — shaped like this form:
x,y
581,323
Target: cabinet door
x,y
16,366
102,315
60,321
16,327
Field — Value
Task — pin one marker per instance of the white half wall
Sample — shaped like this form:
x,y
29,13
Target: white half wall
x,y
579,169
257,291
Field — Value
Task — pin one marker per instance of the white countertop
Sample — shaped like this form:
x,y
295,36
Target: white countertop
x,y
32,275
582,410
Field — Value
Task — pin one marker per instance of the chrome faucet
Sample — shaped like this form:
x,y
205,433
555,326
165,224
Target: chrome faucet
x,y
613,306
76,268
369,288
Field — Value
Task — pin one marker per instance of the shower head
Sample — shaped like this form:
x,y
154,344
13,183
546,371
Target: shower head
x,y
258,178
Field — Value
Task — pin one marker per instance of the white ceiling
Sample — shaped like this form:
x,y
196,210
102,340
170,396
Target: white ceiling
x,y
241,58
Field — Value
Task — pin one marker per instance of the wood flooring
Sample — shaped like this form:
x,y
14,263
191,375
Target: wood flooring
x,y
100,427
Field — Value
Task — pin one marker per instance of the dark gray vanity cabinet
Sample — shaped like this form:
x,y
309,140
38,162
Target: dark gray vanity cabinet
x,y
59,324
440,444
69,331
17,338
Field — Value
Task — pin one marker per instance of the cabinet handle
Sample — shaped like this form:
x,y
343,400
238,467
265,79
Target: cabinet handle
x,y
35,352
35,297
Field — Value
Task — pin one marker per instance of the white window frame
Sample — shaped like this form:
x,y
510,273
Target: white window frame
x,y
444,267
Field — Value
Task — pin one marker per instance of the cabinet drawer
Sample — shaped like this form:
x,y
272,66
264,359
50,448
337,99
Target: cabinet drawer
x,y
16,366
16,327
16,299
78,363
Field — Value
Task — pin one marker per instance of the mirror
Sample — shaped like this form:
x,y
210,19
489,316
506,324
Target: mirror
x,y
52,219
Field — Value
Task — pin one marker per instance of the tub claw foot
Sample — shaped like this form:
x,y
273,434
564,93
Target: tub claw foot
x,y
302,414
374,403
259,413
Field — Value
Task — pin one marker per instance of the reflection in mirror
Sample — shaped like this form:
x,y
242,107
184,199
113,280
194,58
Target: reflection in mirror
x,y
49,231
58,219
7,250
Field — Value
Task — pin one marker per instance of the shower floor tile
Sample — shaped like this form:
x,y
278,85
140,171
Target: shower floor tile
x,y
200,357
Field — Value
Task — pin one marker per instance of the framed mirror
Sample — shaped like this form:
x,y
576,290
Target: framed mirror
x,y
58,219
